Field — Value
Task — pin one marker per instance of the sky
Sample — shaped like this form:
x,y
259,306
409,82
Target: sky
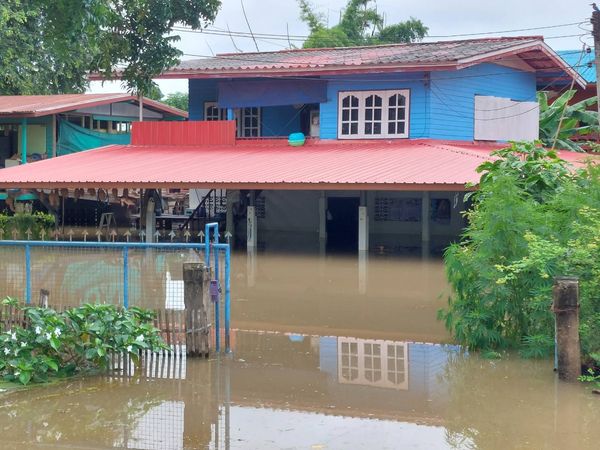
x,y
442,17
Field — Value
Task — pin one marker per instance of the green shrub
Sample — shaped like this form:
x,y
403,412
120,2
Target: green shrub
x,y
79,339
21,222
532,219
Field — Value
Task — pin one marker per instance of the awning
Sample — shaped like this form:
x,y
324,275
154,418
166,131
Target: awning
x,y
400,165
242,93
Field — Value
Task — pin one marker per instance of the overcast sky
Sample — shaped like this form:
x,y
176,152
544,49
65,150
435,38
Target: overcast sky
x,y
442,17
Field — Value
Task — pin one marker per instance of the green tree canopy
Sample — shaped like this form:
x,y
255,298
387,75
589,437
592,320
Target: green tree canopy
x,y
360,24
177,100
48,46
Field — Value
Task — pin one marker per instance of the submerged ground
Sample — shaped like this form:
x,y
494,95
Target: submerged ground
x,y
328,353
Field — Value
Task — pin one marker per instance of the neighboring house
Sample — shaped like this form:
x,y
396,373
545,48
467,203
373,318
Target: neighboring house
x,y
396,131
584,63
61,124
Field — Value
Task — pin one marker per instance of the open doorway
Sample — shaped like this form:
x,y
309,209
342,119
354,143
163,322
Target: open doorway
x,y
342,224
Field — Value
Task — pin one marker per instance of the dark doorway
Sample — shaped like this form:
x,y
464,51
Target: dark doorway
x,y
342,224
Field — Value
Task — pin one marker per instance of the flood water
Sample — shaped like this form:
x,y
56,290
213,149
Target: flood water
x,y
328,353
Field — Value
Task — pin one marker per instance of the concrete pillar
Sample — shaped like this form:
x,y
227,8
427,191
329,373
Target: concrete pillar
x,y
251,266
363,224
323,217
229,223
566,308
251,225
425,213
150,221
363,270
196,301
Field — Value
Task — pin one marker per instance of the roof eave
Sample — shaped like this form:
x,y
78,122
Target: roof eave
x,y
516,49
284,72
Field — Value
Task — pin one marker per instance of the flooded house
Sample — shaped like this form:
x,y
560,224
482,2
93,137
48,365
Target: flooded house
x,y
393,134
365,148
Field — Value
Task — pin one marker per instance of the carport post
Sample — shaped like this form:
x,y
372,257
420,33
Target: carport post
x,y
323,217
150,221
425,233
251,225
24,140
363,224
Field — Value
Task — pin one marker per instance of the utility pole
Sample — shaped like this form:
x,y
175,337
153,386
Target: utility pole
x,y
596,33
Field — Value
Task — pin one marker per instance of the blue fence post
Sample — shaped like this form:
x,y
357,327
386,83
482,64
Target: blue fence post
x,y
227,297
126,277
27,274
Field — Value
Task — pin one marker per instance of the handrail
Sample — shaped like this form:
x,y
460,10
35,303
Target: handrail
x,y
200,205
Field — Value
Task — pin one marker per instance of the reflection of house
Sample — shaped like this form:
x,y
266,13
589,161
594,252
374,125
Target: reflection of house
x,y
373,362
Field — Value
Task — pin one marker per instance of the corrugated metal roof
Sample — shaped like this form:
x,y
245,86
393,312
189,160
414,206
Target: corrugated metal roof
x,y
441,55
263,164
421,52
42,105
583,63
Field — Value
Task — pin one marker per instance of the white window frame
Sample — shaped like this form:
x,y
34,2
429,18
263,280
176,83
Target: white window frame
x,y
222,111
362,97
240,116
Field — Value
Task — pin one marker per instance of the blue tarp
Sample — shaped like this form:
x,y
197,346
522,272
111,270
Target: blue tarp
x,y
73,139
240,94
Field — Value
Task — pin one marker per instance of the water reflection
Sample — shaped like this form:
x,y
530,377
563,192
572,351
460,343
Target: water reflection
x,y
293,391
317,364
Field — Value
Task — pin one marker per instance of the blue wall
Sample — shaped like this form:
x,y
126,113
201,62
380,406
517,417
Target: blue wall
x,y
276,120
453,96
200,91
441,103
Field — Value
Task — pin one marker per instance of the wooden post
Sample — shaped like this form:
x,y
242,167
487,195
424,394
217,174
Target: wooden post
x,y
566,309
196,300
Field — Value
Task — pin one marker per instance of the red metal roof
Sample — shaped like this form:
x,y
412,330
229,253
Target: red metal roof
x,y
43,105
441,55
263,164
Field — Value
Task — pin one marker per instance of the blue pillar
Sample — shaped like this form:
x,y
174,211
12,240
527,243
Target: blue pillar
x,y
125,277
24,140
27,274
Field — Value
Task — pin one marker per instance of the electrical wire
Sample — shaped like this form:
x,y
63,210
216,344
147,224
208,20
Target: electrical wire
x,y
297,37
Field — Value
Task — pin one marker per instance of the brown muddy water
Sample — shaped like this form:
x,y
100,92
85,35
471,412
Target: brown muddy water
x,y
328,353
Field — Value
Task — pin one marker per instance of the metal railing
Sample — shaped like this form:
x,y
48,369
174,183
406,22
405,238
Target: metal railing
x,y
123,273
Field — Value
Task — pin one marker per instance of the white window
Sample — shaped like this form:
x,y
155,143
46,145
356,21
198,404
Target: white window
x,y
373,114
248,122
213,112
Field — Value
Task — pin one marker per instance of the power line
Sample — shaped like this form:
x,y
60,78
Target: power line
x,y
297,37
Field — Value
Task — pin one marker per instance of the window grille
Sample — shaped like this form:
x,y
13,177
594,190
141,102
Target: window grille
x,y
373,114
398,209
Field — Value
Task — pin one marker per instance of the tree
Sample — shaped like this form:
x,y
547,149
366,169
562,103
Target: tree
x,y
360,24
142,42
561,122
48,46
177,100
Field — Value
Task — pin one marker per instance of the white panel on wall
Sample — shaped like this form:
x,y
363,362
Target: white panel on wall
x,y
503,119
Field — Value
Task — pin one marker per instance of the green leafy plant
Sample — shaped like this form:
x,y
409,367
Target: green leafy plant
x,y
577,121
79,339
533,218
27,225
